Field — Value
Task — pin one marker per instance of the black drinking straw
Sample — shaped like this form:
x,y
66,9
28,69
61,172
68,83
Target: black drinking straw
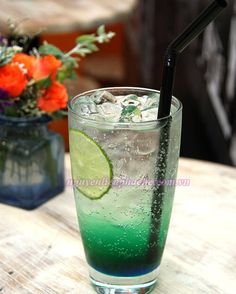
x,y
172,52
177,46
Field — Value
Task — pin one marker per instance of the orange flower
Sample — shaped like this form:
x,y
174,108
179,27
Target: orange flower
x,y
12,79
54,98
46,66
27,60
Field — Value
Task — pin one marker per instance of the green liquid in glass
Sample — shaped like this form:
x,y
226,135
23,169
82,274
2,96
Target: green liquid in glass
x,y
117,242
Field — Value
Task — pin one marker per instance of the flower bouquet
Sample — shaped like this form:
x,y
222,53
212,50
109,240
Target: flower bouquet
x,y
31,94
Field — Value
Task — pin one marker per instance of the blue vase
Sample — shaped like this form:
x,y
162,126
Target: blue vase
x,y
31,162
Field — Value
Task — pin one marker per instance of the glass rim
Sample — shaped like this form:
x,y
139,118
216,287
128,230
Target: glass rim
x,y
123,124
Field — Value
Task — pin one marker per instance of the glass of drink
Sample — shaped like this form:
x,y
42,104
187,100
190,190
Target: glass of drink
x,y
124,164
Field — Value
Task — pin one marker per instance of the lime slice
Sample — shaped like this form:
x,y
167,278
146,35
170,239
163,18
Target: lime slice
x,y
91,167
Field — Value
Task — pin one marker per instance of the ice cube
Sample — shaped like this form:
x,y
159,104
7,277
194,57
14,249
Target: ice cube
x,y
111,112
151,101
103,96
85,106
93,108
149,114
83,109
142,101
102,105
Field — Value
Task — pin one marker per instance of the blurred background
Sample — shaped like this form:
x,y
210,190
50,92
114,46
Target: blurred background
x,y
206,73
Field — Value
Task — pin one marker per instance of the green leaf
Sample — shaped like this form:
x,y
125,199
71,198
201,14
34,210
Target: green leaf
x,y
127,111
61,75
86,39
43,83
48,49
83,51
5,60
73,75
92,47
6,55
138,112
69,61
67,71
10,111
101,30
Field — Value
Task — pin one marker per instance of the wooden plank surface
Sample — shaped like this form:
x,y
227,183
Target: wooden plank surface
x,y
41,250
64,15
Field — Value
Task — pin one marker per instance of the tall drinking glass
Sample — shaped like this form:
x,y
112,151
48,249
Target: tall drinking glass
x,y
124,208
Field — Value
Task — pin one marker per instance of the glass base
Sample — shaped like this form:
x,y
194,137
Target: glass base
x,y
105,284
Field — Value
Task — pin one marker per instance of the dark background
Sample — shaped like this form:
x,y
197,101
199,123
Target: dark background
x,y
204,64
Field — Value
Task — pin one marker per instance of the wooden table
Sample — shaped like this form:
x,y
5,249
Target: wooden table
x,y
64,15
41,250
